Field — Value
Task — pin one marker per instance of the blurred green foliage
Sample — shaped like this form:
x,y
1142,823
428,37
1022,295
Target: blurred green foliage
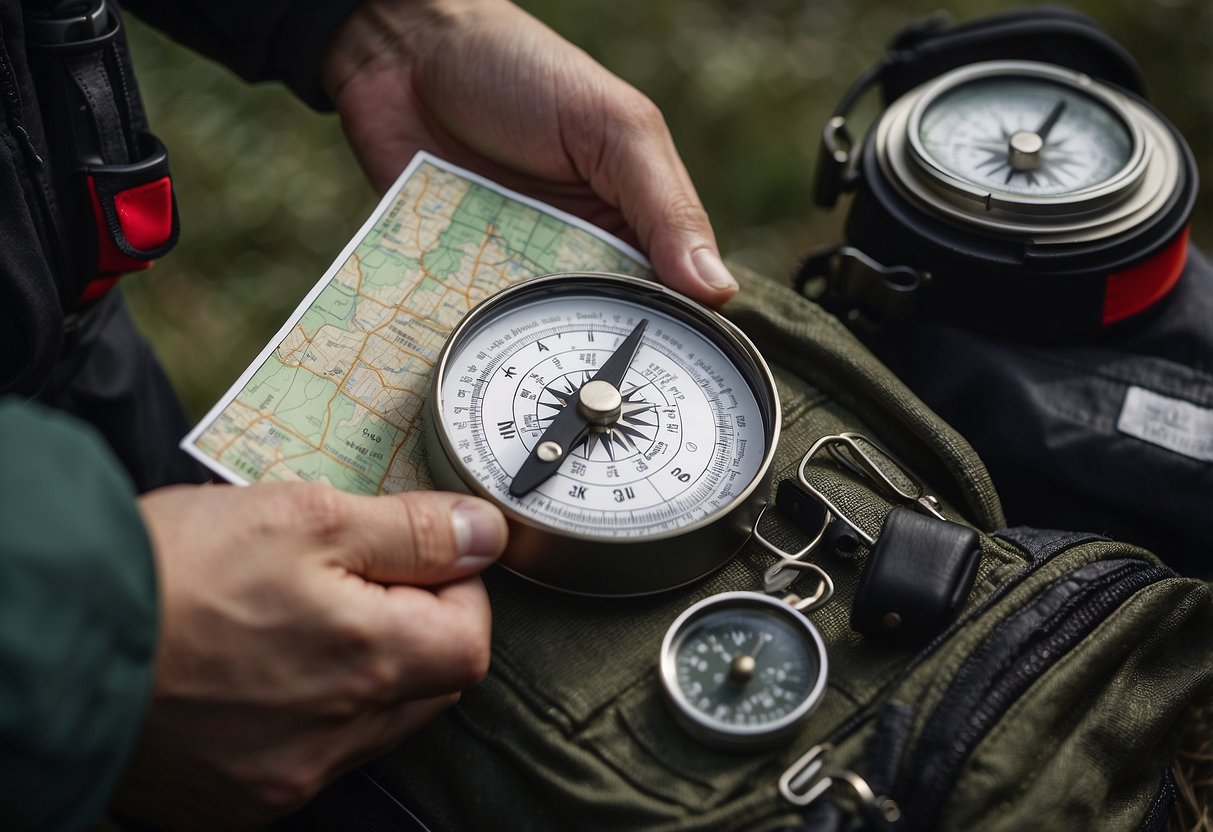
x,y
269,193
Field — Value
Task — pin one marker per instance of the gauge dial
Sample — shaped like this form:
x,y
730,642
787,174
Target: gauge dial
x,y
742,668
1029,149
1023,135
666,420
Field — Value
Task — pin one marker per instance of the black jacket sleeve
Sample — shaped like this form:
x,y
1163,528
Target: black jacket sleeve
x,y
262,40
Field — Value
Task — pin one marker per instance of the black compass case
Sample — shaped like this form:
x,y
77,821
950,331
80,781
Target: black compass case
x,y
1107,429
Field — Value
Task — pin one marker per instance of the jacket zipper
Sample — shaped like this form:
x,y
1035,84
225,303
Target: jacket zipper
x,y
50,234
13,109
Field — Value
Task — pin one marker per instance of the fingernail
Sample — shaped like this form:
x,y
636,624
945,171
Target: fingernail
x,y
712,271
477,528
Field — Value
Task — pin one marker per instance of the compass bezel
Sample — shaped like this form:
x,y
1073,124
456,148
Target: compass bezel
x,y
723,735
1107,191
1139,189
599,564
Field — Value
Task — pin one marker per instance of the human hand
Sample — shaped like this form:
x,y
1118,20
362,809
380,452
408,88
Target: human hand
x,y
485,85
303,631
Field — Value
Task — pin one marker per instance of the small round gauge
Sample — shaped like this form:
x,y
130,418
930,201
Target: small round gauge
x,y
1014,197
622,428
1032,149
1025,135
741,669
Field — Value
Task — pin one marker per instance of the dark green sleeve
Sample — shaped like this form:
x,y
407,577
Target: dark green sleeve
x,y
77,621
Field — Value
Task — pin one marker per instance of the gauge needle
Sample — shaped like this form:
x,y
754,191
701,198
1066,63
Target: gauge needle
x,y
1051,120
1024,147
595,402
742,667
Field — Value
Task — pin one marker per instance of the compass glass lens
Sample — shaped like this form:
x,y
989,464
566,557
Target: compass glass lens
x,y
686,439
1025,136
742,667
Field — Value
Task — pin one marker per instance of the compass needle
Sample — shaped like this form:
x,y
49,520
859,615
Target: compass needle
x,y
570,426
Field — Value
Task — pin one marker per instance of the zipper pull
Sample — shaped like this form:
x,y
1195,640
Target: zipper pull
x,y
27,144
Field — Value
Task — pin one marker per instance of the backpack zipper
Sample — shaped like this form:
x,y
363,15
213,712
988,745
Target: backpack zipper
x,y
1004,666
860,718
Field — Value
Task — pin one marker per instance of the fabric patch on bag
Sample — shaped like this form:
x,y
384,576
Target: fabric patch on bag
x,y
1174,424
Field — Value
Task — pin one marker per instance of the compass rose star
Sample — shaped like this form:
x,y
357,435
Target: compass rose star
x,y
628,432
635,425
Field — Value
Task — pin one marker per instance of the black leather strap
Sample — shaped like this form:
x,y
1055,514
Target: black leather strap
x,y
918,576
1043,33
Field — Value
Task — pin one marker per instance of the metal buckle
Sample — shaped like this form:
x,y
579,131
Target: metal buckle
x,y
806,781
833,162
784,572
871,290
848,451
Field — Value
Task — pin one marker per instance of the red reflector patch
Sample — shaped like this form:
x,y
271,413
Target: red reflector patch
x,y
1139,287
146,214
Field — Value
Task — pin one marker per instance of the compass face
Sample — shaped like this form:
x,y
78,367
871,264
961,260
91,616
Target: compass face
x,y
687,439
1026,136
779,667
741,669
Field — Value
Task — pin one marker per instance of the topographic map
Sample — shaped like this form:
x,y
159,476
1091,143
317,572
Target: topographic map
x,y
337,396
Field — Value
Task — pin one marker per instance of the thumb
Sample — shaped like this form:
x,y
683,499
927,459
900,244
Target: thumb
x,y
420,537
645,177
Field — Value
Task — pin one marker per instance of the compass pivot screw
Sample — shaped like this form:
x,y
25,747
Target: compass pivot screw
x,y
549,451
599,403
1023,150
741,669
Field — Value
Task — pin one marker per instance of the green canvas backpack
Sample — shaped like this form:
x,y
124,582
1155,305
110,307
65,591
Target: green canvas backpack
x,y
1052,700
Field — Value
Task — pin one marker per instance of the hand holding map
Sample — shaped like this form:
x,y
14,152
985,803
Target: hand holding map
x,y
491,88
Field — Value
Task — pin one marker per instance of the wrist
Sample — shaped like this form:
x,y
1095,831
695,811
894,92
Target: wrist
x,y
387,29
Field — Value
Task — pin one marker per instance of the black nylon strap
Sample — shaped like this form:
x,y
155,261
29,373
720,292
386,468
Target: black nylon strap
x,y
1042,33
89,72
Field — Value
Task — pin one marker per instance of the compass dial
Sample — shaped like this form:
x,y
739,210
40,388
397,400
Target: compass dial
x,y
1030,136
685,436
742,668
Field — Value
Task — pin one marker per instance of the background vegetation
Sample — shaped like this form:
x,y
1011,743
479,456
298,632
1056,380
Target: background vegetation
x,y
269,193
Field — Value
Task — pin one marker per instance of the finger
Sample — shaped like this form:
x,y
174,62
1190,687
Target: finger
x,y
640,171
439,640
414,643
420,538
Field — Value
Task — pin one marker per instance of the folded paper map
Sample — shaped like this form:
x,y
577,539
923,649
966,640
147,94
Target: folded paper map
x,y
337,395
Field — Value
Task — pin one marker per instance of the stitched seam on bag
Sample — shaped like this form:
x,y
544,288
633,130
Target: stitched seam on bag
x,y
905,411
